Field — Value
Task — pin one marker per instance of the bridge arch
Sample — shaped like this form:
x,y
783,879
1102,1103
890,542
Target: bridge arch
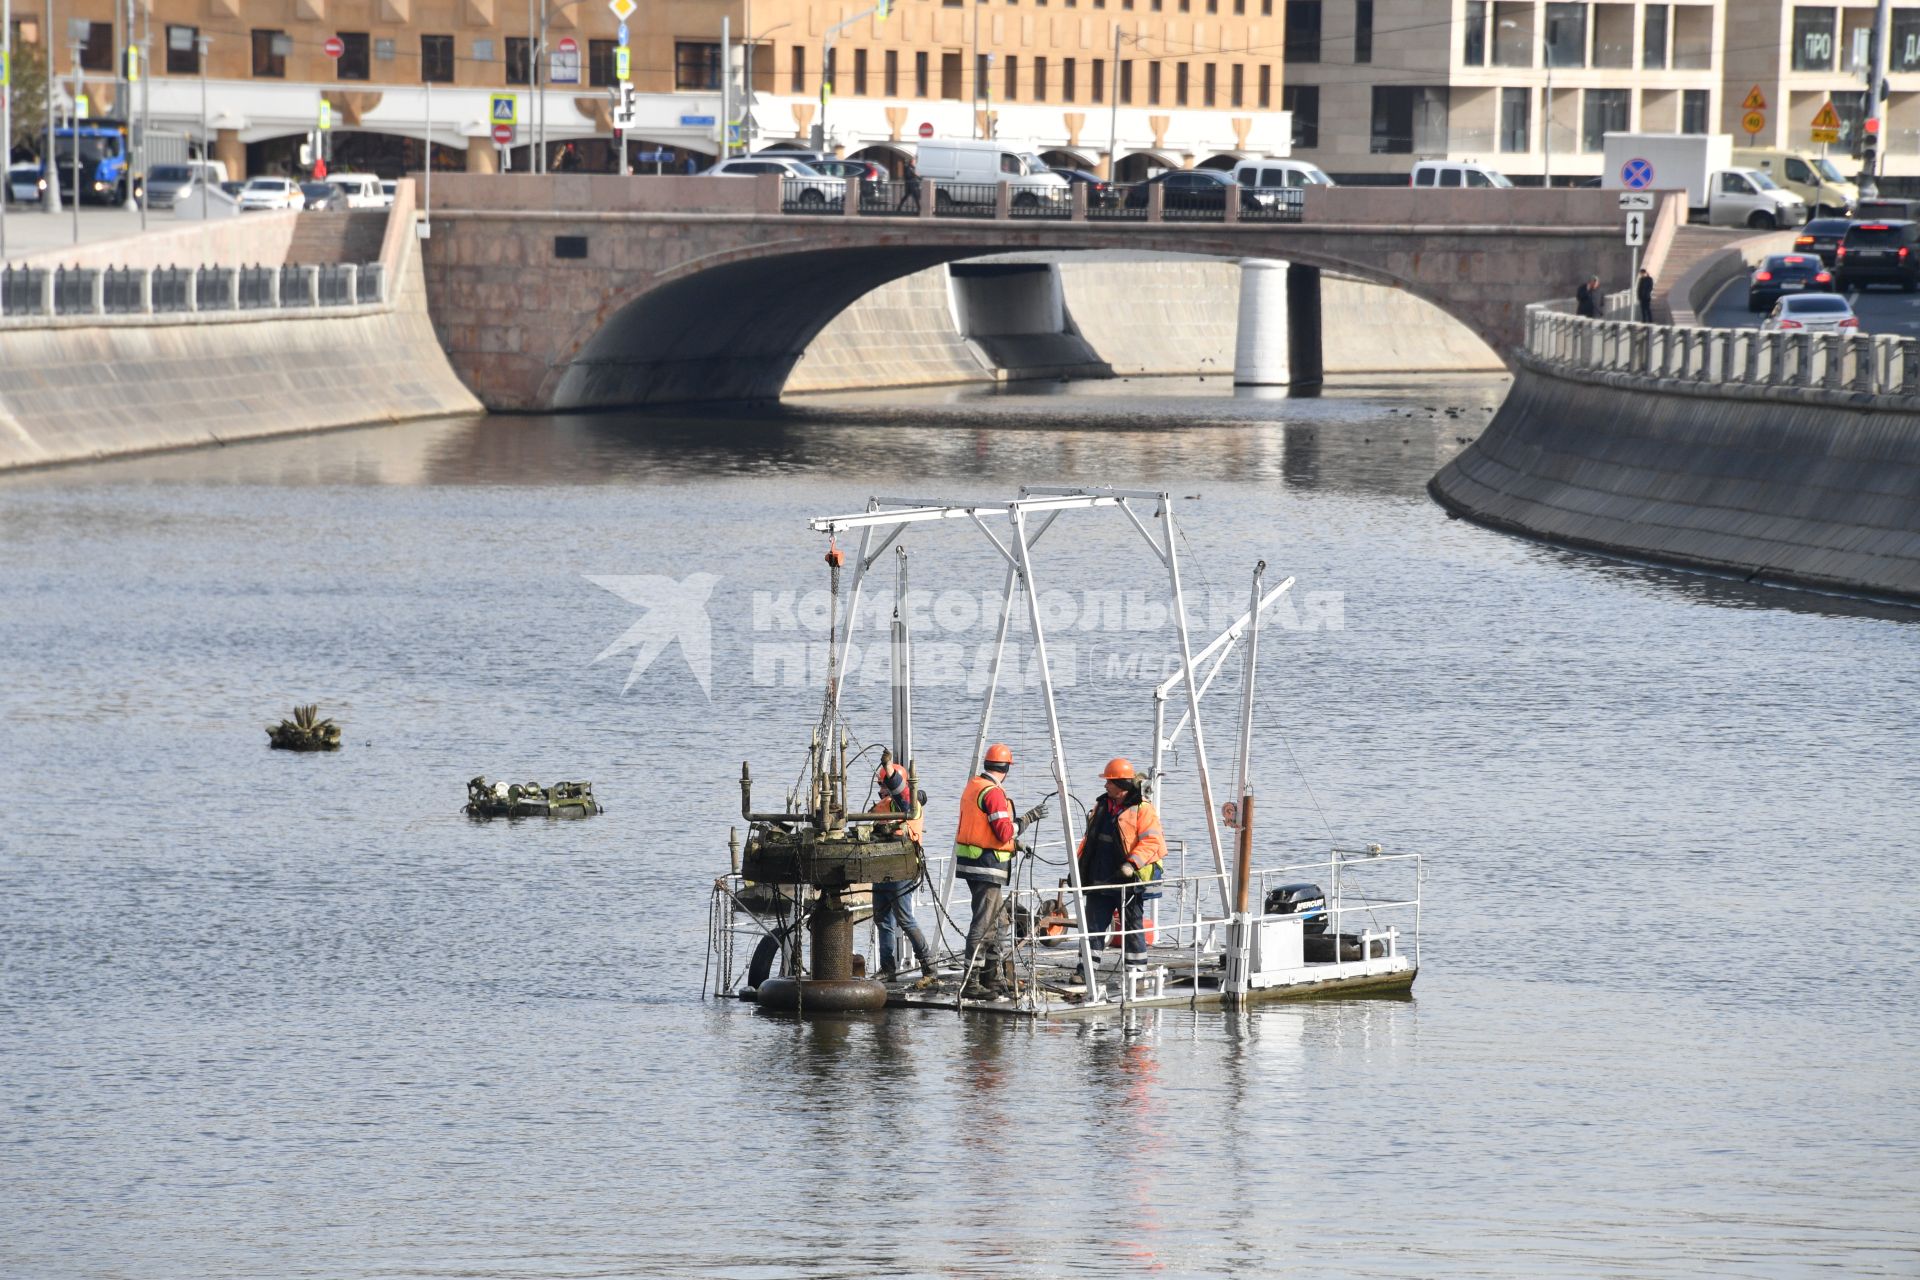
x,y
1138,166
1064,158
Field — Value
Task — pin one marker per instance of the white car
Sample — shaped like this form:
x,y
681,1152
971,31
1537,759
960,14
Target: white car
x,y
386,194
815,189
271,193
363,190
23,181
1812,313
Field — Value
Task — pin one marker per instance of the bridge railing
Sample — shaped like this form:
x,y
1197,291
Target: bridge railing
x,y
35,293
1149,202
1855,364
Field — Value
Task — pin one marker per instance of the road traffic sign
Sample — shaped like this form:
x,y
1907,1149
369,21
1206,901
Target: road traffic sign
x,y
622,9
1754,121
81,107
505,109
503,134
566,61
5,70
1755,101
334,47
326,114
1636,228
1630,200
621,35
926,129
623,64
1826,124
1636,174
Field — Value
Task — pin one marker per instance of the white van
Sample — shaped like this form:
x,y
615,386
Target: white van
x,y
981,165
363,189
1270,171
1457,173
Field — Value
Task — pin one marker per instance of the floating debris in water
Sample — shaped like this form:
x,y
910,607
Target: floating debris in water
x,y
305,732
530,800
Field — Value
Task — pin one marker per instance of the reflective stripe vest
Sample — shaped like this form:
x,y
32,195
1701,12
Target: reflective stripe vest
x,y
1141,844
893,781
978,854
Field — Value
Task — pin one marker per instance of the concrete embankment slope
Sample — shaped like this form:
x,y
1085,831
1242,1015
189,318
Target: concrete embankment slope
x,y
1788,489
82,387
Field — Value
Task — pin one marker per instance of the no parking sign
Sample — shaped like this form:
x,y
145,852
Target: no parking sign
x,y
1636,174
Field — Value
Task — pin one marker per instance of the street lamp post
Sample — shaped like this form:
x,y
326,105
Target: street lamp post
x,y
50,202
73,143
1546,115
1113,106
202,43
539,103
747,95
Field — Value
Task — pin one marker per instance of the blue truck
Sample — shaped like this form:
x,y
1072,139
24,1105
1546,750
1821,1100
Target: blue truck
x,y
105,164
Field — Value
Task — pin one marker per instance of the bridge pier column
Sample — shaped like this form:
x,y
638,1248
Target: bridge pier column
x,y
1278,339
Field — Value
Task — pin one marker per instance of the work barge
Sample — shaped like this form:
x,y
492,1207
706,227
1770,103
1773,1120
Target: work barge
x,y
1224,926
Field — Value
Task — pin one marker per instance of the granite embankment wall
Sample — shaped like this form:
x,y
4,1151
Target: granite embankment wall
x,y
74,388
1139,317
1791,485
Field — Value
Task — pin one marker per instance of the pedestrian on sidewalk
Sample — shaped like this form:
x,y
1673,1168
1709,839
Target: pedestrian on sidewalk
x,y
1643,290
1586,299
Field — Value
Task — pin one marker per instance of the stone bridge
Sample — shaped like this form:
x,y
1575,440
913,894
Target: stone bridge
x,y
577,291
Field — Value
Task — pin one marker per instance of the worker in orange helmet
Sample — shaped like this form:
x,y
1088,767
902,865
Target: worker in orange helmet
x,y
893,899
983,857
1122,852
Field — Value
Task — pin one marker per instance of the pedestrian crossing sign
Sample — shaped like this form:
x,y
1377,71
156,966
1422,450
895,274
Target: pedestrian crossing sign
x,y
505,109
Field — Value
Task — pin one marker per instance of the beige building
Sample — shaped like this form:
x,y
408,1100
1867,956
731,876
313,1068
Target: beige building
x,y
1193,80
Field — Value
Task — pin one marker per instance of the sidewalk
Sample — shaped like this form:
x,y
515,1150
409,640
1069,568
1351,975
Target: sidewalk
x,y
29,230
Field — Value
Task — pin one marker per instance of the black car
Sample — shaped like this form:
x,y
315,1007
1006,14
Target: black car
x,y
1784,273
1821,237
1185,189
1879,253
1099,194
323,195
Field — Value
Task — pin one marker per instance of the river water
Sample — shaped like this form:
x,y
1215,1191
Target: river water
x,y
274,1015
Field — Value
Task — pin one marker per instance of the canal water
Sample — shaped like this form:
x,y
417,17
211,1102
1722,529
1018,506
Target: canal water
x,y
277,1015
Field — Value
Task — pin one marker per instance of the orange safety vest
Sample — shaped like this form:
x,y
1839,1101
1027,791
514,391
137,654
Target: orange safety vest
x,y
978,854
1142,845
912,828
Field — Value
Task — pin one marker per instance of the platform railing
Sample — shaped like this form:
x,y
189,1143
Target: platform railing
x,y
1854,364
1017,200
40,292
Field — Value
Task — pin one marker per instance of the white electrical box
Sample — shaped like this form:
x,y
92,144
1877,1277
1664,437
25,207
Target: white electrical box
x,y
1277,944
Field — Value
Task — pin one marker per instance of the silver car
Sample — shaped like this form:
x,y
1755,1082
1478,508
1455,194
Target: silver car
x,y
1811,313
806,184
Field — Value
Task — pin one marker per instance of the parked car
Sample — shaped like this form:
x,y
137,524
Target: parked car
x,y
1271,171
1780,274
970,171
1456,173
1878,253
1193,189
1822,237
323,196
857,170
817,190
271,193
24,183
1812,312
362,190
386,194
1100,193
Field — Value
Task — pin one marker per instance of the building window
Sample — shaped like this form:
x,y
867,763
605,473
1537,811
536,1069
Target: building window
x,y
1363,30
1515,107
183,51
1180,85
1303,31
890,74
1474,54
1653,39
356,58
1153,84
436,59
797,70
950,76
1069,80
1693,111
1266,86
982,83
1039,79
1304,101
922,82
860,73
519,60
97,53
1852,110
600,62
1905,53
1567,34
695,65
1606,112
1209,82
1010,87
1238,96
269,54
1408,119
1099,79
1126,83
1812,39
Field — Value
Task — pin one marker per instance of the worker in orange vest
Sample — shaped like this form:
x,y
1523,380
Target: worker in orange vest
x,y
983,857
893,899
1122,852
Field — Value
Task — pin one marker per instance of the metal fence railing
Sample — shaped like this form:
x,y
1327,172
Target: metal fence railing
x,y
1272,204
1124,201
812,195
38,292
1043,201
966,199
1034,201
1851,364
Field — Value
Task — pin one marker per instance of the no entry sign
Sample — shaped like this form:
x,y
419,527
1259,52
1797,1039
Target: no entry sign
x,y
334,46
926,129
503,134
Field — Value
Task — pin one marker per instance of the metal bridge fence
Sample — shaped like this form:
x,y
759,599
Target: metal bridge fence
x,y
1856,364
1032,201
35,293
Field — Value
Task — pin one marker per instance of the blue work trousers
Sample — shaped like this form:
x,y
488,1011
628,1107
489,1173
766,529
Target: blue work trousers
x,y
1129,901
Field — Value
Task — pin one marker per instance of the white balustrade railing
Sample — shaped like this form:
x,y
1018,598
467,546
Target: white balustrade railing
x,y
35,294
1853,364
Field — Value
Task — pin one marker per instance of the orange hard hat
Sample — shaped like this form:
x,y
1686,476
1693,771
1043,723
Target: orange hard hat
x,y
999,753
1117,768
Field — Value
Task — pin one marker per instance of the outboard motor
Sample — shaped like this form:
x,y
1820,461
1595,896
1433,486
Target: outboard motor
x,y
1305,900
